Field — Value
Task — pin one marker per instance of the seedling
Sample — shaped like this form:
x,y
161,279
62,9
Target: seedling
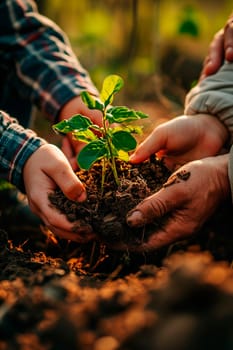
x,y
113,139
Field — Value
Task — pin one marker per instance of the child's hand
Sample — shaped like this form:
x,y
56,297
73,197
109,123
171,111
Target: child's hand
x,y
190,197
45,170
183,139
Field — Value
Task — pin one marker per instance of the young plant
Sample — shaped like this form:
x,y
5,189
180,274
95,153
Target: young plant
x,y
114,138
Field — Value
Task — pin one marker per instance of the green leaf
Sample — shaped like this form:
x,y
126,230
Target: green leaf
x,y
111,85
122,140
62,127
134,129
91,102
91,153
130,129
123,115
141,115
77,122
123,155
85,136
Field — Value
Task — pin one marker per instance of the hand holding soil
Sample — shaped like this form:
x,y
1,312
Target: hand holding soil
x,y
45,176
189,197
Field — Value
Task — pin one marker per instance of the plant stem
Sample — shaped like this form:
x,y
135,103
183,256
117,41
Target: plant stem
x,y
114,170
112,158
103,175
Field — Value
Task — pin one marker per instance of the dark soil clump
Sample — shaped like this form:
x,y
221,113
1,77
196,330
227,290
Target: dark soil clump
x,y
106,212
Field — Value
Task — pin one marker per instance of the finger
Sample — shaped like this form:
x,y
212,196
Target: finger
x,y
228,40
72,187
173,163
155,142
63,175
155,206
83,236
67,148
216,55
57,223
74,164
176,228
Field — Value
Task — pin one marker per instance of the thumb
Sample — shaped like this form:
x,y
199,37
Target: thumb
x,y
153,207
72,187
59,170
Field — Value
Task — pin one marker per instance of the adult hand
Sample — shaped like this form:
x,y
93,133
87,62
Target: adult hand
x,y
220,48
188,202
71,147
183,139
44,171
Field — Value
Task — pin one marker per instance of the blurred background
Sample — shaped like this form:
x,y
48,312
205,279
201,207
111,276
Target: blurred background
x,y
157,46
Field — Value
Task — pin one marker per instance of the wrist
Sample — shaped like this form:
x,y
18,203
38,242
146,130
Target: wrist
x,y
223,164
212,123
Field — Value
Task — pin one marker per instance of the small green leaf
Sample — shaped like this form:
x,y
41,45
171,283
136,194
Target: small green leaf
x,y
92,152
122,140
130,129
77,122
111,85
123,155
141,115
85,136
62,127
134,129
123,115
91,102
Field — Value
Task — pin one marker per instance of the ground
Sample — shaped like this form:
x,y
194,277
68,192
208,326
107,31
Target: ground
x,y
57,295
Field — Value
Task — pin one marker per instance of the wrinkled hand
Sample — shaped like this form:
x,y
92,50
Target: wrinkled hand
x,y
189,202
44,171
220,48
71,147
183,139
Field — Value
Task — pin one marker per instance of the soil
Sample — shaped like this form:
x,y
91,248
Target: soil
x,y
57,295
106,208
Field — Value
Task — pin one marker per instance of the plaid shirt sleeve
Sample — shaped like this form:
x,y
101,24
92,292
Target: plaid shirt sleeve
x,y
16,146
48,72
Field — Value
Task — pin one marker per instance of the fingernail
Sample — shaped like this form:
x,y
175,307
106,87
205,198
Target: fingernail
x,y
229,53
82,196
135,218
131,158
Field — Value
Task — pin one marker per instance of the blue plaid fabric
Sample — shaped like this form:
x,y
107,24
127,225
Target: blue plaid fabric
x,y
16,146
37,68
37,64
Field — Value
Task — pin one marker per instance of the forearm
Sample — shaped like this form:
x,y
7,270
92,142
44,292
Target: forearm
x,y
48,72
16,146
